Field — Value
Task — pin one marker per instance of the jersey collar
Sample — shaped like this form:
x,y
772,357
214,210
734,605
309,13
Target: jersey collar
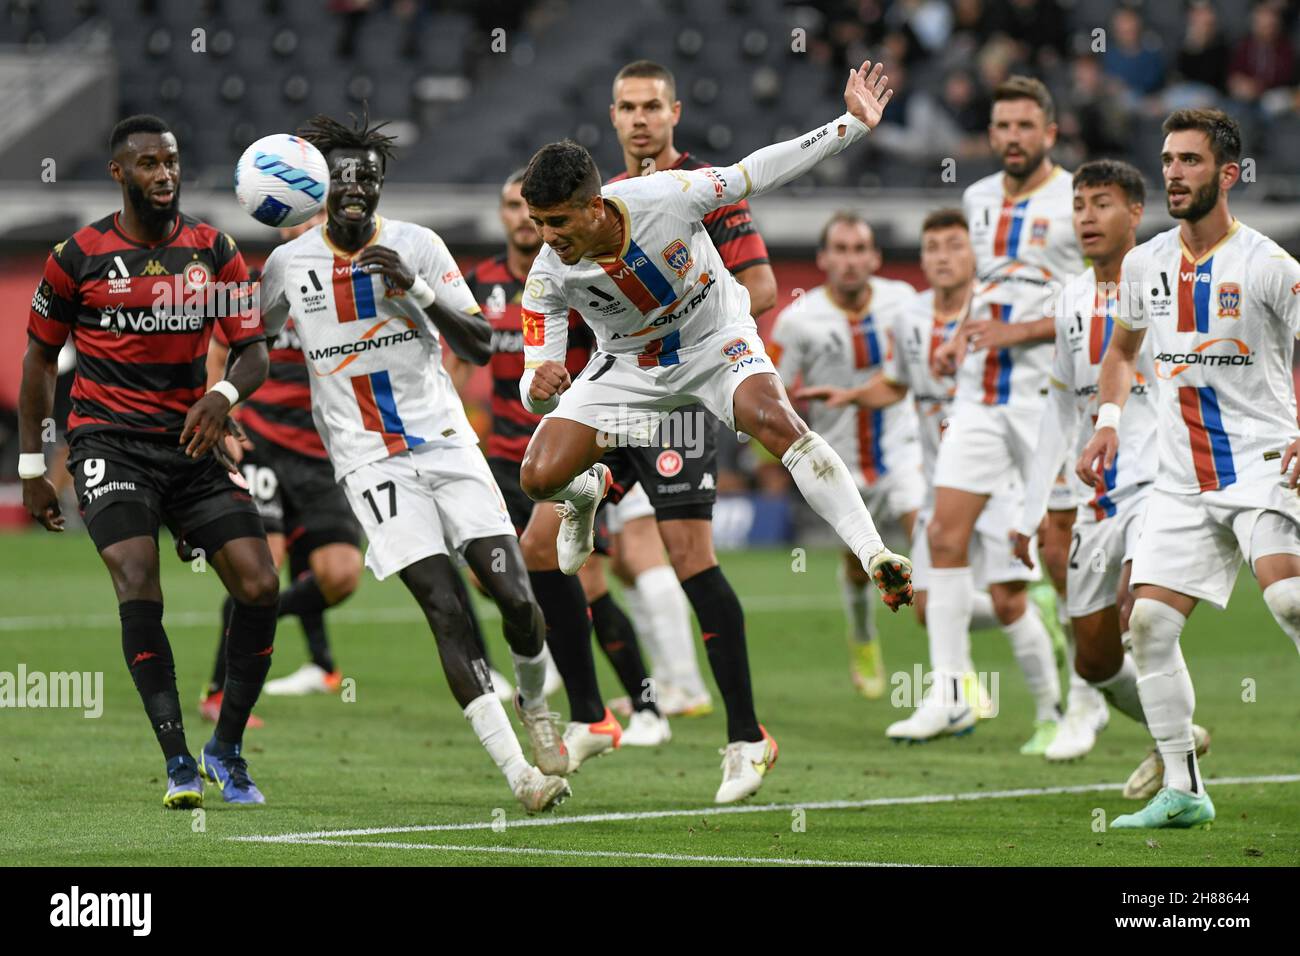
x,y
374,237
625,218
176,230
1021,197
1187,253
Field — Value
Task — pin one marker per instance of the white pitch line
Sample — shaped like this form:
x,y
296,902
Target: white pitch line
x,y
603,854
553,821
405,614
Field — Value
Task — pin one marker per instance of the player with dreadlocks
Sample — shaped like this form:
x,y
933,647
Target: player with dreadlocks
x,y
370,298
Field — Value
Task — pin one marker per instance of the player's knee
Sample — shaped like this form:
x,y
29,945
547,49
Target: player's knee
x,y
338,581
136,578
1283,600
1009,605
536,479
260,588
948,546
517,608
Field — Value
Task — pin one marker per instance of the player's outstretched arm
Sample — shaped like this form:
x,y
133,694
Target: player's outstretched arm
x,y
35,406
1116,378
866,94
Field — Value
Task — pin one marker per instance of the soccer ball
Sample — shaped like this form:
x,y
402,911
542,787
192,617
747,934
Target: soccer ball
x,y
281,180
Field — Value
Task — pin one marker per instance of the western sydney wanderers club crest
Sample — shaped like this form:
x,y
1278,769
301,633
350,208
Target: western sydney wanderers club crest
x,y
1229,300
678,257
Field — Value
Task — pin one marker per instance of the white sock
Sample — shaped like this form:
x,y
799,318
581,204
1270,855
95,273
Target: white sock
x,y
947,620
585,485
1168,698
982,617
530,677
859,607
488,718
1283,599
669,614
1122,691
828,487
644,627
1032,649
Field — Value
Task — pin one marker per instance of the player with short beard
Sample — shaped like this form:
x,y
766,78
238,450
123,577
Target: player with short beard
x,y
1221,304
1108,201
142,424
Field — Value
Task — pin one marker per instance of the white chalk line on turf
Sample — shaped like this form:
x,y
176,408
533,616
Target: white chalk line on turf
x,y
552,821
768,603
602,854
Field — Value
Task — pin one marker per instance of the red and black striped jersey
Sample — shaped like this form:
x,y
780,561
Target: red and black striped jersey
x,y
140,316
731,228
280,410
499,293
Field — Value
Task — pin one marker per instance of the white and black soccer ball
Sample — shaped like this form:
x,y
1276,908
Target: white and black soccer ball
x,y
281,180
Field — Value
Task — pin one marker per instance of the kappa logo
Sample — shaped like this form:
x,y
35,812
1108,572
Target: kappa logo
x,y
678,257
154,268
669,463
736,349
1229,300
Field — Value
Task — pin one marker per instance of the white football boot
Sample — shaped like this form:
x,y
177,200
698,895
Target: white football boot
x,y
584,741
308,679
537,792
574,542
936,717
744,765
1085,717
548,745
646,729
1146,781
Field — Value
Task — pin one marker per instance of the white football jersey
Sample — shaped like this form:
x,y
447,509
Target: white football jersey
x,y
377,382
917,333
817,339
1222,330
666,290
1083,329
1015,292
1036,228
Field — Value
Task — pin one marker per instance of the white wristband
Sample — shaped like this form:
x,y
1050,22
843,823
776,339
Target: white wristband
x,y
229,391
1108,416
421,292
31,465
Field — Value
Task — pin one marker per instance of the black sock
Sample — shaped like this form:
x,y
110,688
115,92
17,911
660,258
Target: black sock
x,y
568,635
617,638
722,625
219,668
149,659
249,642
318,644
303,596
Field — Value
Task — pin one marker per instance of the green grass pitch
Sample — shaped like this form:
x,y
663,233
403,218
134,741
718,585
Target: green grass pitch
x,y
77,791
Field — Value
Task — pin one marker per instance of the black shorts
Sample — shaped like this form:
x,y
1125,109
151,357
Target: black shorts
x,y
297,496
155,481
679,477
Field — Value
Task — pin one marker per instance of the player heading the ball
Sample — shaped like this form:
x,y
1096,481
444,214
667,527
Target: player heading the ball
x,y
672,327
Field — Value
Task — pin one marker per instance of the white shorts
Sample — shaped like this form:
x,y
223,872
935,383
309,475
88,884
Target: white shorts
x,y
987,446
1098,550
635,504
897,492
1194,544
616,396
425,502
991,559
